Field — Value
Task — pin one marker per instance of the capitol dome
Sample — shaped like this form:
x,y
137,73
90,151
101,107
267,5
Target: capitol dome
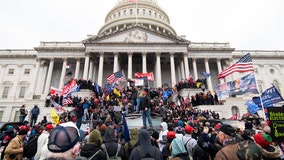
x,y
141,12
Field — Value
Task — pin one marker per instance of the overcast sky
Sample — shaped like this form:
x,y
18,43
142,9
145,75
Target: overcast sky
x,y
245,24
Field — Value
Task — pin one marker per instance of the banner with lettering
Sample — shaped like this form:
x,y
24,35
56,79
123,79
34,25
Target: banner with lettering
x,y
276,117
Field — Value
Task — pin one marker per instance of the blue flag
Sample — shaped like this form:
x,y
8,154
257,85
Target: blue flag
x,y
125,129
252,107
205,74
269,97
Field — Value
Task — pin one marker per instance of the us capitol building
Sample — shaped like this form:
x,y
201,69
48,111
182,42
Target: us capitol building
x,y
134,40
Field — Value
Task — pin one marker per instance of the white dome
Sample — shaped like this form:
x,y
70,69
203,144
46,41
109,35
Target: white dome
x,y
149,14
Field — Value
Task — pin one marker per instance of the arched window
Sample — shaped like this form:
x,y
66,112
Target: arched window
x,y
130,11
150,13
124,12
144,11
276,84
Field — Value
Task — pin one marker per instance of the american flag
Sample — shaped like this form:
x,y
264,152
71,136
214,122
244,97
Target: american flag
x,y
117,76
243,65
66,101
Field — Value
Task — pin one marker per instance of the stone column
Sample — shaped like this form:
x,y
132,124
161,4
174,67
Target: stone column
x,y
182,70
86,66
219,68
130,54
101,69
159,74
77,68
186,67
144,62
173,72
49,76
208,80
3,68
194,69
95,72
91,70
63,72
17,73
35,77
115,62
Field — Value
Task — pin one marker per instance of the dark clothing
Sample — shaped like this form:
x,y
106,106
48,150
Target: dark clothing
x,y
90,149
145,103
199,154
111,144
145,146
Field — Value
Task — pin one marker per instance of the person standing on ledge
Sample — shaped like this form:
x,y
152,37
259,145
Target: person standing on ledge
x,y
146,110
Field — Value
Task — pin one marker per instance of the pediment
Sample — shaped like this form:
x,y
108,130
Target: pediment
x,y
135,35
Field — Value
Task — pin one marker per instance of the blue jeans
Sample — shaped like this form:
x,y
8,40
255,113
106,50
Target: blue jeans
x,y
138,100
147,113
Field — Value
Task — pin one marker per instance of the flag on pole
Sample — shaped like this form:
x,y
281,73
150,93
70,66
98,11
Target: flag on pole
x,y
205,74
117,76
252,107
269,97
125,129
116,91
149,75
245,84
66,101
54,116
243,65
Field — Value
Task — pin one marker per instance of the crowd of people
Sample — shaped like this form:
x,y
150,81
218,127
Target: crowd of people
x,y
185,132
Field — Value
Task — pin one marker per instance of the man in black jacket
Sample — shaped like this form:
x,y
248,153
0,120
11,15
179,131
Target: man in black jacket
x,y
146,110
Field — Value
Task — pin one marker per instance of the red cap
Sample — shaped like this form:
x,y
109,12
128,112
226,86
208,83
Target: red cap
x,y
171,134
188,129
49,127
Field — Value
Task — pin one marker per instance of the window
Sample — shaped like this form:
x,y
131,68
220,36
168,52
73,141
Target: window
x,y
5,92
144,11
11,71
130,11
150,13
124,12
22,92
137,12
27,71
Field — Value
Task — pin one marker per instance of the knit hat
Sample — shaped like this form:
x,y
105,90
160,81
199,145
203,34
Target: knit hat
x,y
22,130
63,137
264,140
188,129
228,130
95,137
171,135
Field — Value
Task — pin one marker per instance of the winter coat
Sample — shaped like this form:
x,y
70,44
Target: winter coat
x,y
144,142
89,150
14,150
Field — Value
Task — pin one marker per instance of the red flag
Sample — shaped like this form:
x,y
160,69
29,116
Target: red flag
x,y
243,65
149,75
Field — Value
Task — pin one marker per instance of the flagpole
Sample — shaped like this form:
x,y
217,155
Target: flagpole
x,y
262,107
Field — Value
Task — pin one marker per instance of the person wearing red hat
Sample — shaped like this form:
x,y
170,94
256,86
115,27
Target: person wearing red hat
x,y
187,140
15,148
42,142
268,150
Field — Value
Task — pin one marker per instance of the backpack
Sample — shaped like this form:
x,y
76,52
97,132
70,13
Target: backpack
x,y
30,147
116,157
185,144
147,156
249,150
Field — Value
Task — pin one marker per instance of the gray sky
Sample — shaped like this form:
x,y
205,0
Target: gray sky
x,y
245,24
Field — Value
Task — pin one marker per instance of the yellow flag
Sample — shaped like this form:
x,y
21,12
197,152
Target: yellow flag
x,y
107,98
54,116
116,91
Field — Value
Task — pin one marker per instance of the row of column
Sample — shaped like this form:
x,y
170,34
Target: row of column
x,y
90,69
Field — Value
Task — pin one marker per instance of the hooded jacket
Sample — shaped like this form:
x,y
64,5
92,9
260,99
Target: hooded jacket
x,y
145,146
163,135
111,144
